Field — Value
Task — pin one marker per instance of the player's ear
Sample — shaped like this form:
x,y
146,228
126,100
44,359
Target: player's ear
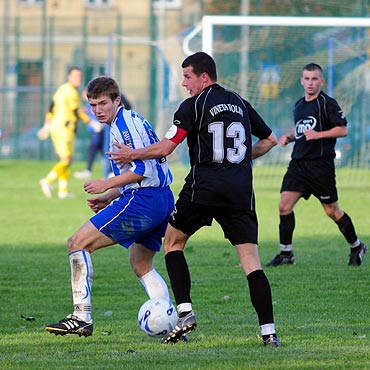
x,y
205,77
117,101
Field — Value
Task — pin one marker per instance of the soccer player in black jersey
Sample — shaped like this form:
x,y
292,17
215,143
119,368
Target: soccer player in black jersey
x,y
218,125
319,120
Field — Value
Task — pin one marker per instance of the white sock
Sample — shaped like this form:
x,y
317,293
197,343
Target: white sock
x,y
355,244
154,285
184,307
267,329
81,279
286,247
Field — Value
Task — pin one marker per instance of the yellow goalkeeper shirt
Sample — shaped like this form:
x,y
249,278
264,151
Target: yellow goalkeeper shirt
x,y
65,109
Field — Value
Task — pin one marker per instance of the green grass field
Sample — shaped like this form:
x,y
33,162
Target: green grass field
x,y
321,305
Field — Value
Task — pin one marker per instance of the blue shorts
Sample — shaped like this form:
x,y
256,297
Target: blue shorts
x,y
137,216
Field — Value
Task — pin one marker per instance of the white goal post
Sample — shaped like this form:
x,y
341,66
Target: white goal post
x,y
209,21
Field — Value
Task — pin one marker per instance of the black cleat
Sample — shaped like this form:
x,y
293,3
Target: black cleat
x,y
356,255
282,259
186,324
71,325
272,341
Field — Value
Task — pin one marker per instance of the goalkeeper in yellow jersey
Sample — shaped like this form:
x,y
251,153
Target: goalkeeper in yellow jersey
x,y
61,124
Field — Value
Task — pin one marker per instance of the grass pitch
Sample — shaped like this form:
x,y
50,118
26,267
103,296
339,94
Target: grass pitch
x,y
321,305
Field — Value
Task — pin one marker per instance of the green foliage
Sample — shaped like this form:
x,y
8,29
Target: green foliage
x,y
321,305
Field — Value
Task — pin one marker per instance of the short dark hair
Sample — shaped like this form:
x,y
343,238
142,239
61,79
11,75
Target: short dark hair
x,y
201,62
312,67
102,86
73,68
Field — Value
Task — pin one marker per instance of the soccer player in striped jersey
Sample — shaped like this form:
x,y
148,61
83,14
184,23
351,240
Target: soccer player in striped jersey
x,y
218,125
132,209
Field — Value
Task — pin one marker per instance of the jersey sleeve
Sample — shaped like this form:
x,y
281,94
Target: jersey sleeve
x,y
184,117
258,125
336,116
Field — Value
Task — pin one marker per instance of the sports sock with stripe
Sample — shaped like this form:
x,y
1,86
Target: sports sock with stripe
x,y
81,280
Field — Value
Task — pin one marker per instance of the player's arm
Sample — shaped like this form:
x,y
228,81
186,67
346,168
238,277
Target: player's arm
x,y
44,131
262,146
102,185
163,148
101,201
333,133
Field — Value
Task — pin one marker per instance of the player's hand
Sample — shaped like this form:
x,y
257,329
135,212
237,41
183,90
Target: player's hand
x,y
120,156
44,132
283,140
312,135
96,186
96,204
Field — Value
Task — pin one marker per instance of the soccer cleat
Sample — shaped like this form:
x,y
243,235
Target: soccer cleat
x,y
84,175
356,255
45,188
71,325
282,259
186,324
272,341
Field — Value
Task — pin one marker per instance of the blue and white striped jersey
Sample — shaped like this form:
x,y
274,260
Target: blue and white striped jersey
x,y
131,129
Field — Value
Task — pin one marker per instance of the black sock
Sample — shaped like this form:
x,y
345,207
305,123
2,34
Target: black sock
x,y
178,272
260,293
286,228
346,227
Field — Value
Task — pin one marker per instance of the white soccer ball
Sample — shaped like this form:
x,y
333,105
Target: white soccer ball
x,y
157,317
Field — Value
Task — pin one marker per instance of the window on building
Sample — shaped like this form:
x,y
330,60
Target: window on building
x,y
98,3
31,2
168,4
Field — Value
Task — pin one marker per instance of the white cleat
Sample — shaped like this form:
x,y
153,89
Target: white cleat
x,y
45,188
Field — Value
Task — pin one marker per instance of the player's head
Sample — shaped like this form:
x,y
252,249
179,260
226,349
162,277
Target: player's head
x,y
312,80
102,86
313,67
199,71
201,63
104,98
74,76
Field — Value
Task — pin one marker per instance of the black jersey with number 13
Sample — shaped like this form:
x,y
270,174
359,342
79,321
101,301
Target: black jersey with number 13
x,y
219,124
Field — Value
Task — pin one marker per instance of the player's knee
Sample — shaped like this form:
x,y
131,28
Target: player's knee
x,y
74,243
284,209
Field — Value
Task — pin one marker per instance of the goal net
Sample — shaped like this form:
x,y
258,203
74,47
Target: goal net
x,y
262,58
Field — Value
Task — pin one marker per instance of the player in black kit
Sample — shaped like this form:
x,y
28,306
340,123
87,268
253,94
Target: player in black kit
x,y
319,120
218,125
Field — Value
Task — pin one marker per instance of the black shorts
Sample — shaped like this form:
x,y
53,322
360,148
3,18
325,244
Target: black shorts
x,y
239,226
316,177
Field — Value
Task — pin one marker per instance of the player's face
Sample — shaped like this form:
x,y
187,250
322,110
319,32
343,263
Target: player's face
x,y
312,82
104,108
193,83
75,78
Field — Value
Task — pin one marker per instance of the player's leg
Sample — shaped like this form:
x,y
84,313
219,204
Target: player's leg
x,y
346,227
326,191
288,199
141,261
179,275
259,290
241,228
80,246
95,147
65,151
157,203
